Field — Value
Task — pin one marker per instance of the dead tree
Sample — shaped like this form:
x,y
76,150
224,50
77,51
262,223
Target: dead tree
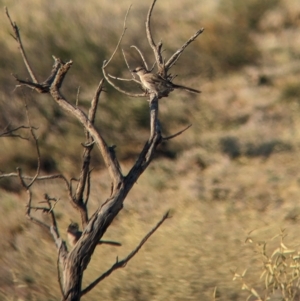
x,y
72,263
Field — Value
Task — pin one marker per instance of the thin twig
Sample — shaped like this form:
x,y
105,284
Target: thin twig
x,y
122,79
177,134
153,65
115,175
141,55
95,101
40,178
119,42
17,37
9,132
40,88
118,88
174,58
51,211
123,262
126,62
148,30
156,49
28,206
130,70
77,96
44,87
36,146
16,136
53,228
88,187
78,201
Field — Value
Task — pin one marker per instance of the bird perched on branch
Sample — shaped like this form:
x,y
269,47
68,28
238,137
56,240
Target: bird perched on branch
x,y
74,234
155,83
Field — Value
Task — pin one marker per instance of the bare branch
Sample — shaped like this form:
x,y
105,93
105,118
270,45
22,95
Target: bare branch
x,y
88,188
53,228
80,115
77,96
174,58
122,79
95,101
51,209
40,88
127,64
36,146
123,262
105,63
153,65
43,87
177,134
17,37
27,186
63,68
9,133
146,154
85,169
75,262
60,244
57,64
59,274
141,54
154,123
129,69
28,206
156,49
119,42
106,76
40,178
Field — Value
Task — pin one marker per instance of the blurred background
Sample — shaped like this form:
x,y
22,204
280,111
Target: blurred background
x,y
234,171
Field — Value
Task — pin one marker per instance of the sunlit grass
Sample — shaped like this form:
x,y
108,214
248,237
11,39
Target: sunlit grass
x,y
235,170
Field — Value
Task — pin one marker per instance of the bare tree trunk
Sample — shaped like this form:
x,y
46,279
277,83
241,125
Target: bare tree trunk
x,y
75,262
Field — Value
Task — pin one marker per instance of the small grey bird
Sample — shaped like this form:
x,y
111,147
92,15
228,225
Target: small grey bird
x,y
156,84
74,234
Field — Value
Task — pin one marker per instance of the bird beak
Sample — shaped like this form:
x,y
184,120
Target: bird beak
x,y
134,70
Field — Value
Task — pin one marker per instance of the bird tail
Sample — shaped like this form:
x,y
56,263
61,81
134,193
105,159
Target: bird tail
x,y
185,88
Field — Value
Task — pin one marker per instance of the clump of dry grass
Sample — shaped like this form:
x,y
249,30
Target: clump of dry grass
x,y
280,278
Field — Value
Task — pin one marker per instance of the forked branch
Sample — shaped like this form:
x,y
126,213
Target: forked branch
x,y
120,40
107,77
155,48
106,63
114,172
84,179
11,133
122,263
162,66
75,262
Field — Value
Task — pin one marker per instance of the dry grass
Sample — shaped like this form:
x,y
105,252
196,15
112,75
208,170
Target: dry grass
x,y
236,170
192,253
